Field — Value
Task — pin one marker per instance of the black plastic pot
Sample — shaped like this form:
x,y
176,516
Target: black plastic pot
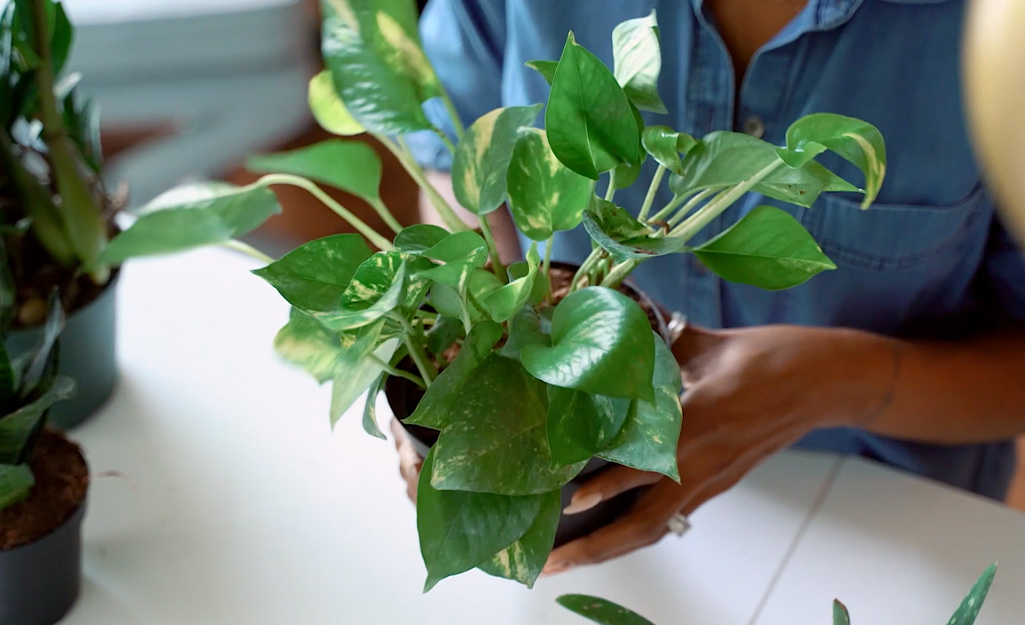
x,y
39,582
87,355
403,397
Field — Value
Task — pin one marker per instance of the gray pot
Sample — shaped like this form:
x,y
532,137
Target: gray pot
x,y
87,355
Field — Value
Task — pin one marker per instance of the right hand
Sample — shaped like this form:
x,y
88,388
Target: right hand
x,y
410,462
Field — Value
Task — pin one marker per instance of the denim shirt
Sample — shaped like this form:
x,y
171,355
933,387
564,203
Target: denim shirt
x,y
929,259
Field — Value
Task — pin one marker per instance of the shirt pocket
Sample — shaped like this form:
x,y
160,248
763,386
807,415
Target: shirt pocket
x,y
892,237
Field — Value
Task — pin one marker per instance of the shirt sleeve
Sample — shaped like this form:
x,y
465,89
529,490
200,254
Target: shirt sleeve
x,y
1003,272
464,40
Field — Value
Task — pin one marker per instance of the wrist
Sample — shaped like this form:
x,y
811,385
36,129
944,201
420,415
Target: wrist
x,y
863,377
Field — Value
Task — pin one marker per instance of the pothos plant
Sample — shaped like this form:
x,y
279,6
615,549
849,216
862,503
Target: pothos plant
x,y
539,385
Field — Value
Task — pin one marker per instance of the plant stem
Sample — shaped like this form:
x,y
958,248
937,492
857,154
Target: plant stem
x,y
411,338
585,267
547,262
496,262
610,192
249,250
444,139
398,373
386,215
667,209
453,115
693,224
619,273
652,190
405,158
691,204
379,241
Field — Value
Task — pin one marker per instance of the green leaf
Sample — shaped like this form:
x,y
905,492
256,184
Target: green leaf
x,y
493,440
601,611
601,343
351,166
443,334
460,530
419,237
545,68
581,424
20,428
314,276
527,327
306,343
649,437
8,379
506,301
856,141
359,366
460,254
432,411
968,611
589,121
522,269
618,233
625,174
523,560
380,72
43,361
768,248
370,409
193,216
482,157
61,37
544,196
379,286
16,482
446,300
665,146
840,614
638,61
328,109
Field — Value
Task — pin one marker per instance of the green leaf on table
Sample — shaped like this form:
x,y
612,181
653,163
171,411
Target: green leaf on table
x,y
649,437
601,611
637,53
352,166
527,327
370,408
16,482
359,366
768,248
544,195
494,438
460,254
840,614
601,343
545,68
968,611
617,232
523,560
856,141
665,145
328,109
306,343
432,411
581,424
192,216
417,238
507,300
315,275
373,52
19,428
481,160
589,121
379,286
459,530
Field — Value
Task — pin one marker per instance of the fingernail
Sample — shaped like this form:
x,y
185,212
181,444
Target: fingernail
x,y
578,505
554,569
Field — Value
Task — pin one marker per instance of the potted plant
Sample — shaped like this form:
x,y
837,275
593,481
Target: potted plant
x,y
43,484
516,379
605,612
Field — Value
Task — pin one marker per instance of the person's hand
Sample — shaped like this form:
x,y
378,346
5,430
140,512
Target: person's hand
x,y
748,394
410,462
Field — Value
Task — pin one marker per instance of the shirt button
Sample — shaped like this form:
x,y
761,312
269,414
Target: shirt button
x,y
754,126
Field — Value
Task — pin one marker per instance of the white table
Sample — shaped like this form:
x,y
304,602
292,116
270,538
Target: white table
x,y
236,504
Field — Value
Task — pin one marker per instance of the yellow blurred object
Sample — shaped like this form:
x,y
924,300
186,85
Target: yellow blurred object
x,y
994,82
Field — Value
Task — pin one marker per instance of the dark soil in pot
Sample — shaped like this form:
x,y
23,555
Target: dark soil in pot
x,y
403,397
40,537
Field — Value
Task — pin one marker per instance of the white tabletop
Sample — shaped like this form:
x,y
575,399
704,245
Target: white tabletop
x,y
236,504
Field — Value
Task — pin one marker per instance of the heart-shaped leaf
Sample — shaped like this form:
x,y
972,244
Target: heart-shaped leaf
x,y
351,166
968,611
545,68
625,174
527,327
507,300
601,611
637,53
649,437
459,530
328,109
857,141
442,335
305,342
581,424
313,276
665,145
193,216
523,560
379,286
16,482
481,160
601,343
359,366
589,121
461,253
544,196
419,237
618,233
768,248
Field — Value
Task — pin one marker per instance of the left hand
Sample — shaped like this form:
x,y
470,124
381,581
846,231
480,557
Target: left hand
x,y
748,394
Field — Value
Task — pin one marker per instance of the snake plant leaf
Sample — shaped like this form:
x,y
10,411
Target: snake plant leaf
x,y
856,141
648,439
523,560
306,343
589,121
601,611
637,53
507,300
665,145
193,216
352,166
494,437
601,343
21,427
581,424
16,482
315,275
968,611
41,365
459,530
545,68
328,109
767,248
840,614
481,160
417,238
618,233
544,195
